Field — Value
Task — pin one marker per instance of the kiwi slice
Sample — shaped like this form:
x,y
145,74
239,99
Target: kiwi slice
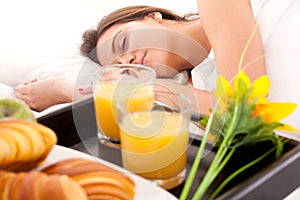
x,y
13,108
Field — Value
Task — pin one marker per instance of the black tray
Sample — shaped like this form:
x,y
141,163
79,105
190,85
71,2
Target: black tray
x,y
75,126
268,179
72,123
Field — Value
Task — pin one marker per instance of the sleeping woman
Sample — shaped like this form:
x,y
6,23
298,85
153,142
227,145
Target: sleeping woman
x,y
173,45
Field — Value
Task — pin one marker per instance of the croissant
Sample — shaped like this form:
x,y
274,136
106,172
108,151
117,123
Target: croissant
x,y
38,186
98,180
24,144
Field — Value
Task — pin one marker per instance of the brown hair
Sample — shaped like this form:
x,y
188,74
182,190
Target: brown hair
x,y
123,15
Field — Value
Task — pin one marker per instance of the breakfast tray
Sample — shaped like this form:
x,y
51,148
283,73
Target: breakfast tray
x,y
76,128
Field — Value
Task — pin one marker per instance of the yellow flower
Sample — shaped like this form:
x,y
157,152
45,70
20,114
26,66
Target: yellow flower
x,y
269,111
275,112
261,87
223,90
241,77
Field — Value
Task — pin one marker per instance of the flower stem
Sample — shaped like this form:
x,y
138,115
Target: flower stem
x,y
224,162
246,47
210,175
196,162
227,180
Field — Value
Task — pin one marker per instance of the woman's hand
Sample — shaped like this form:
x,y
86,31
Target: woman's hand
x,y
41,94
201,100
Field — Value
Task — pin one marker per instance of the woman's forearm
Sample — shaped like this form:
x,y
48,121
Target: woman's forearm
x,y
205,101
201,100
65,90
41,94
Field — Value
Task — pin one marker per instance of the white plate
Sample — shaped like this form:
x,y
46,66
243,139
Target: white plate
x,y
144,189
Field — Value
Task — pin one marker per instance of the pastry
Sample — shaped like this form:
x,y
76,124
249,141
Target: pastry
x,y
98,180
25,144
38,186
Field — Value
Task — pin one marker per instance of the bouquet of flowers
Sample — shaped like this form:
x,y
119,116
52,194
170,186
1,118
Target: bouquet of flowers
x,y
242,116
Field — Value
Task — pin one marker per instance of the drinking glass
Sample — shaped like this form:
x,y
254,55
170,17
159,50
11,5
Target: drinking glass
x,y
113,82
154,140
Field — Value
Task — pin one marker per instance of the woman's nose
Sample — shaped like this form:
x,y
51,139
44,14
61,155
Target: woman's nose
x,y
127,59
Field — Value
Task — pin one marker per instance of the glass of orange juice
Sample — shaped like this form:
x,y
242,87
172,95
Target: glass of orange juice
x,y
113,82
154,140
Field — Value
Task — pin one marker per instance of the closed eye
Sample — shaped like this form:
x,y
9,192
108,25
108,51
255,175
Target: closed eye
x,y
120,42
124,44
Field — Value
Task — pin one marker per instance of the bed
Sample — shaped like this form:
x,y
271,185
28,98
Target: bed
x,y
40,39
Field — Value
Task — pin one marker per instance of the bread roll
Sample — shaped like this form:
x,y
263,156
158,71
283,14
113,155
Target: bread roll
x,y
25,144
38,186
97,180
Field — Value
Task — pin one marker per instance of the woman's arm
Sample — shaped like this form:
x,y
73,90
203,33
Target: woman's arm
x,y
41,94
201,100
229,25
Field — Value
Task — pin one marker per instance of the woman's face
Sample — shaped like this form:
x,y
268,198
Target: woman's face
x,y
145,42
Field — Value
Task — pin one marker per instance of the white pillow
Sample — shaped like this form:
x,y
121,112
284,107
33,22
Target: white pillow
x,y
39,36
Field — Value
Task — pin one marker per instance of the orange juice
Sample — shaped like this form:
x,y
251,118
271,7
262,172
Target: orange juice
x,y
105,100
154,143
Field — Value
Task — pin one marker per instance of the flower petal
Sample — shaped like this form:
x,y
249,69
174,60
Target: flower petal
x,y
243,77
261,87
223,88
274,111
288,128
